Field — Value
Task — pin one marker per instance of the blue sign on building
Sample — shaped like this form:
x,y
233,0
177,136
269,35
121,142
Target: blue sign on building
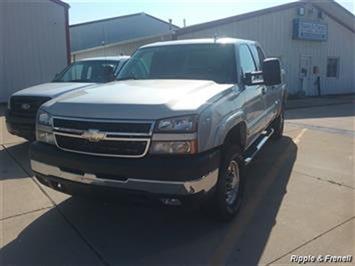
x,y
309,30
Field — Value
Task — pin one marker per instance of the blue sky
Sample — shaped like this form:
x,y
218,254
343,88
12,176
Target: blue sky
x,y
194,11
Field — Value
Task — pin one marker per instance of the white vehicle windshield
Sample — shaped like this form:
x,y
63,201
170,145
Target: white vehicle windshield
x,y
192,61
93,71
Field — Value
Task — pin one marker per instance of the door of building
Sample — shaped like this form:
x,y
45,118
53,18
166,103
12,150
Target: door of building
x,y
305,73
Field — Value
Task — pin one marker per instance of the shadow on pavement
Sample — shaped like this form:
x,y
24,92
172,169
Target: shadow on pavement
x,y
18,153
124,234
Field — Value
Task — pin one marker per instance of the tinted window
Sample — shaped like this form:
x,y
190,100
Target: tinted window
x,y
246,59
196,61
89,71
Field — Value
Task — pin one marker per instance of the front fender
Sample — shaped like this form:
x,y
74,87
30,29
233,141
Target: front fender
x,y
221,116
226,125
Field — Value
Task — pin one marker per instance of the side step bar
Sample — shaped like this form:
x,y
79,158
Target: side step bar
x,y
256,147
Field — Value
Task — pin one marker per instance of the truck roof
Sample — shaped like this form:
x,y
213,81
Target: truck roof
x,y
199,41
111,58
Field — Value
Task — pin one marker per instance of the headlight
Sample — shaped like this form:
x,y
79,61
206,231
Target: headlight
x,y
44,118
44,130
173,147
177,124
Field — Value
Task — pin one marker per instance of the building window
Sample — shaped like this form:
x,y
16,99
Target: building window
x,y
333,67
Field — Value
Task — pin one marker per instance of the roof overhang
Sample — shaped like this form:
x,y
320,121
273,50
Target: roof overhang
x,y
223,21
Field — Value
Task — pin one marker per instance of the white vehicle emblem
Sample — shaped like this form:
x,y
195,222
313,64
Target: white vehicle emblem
x,y
25,106
93,135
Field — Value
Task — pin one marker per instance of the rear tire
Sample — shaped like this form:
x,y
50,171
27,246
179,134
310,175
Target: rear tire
x,y
278,126
225,201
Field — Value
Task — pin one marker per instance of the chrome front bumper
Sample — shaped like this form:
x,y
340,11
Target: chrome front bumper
x,y
183,188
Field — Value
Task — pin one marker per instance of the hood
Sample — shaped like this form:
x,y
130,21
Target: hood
x,y
138,99
52,89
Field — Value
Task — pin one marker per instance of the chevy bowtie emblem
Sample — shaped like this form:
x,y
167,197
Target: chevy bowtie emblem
x,y
25,106
93,135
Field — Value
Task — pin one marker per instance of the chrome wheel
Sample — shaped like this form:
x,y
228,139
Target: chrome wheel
x,y
232,182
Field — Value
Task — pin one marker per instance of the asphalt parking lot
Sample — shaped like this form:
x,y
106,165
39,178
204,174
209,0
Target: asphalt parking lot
x,y
299,200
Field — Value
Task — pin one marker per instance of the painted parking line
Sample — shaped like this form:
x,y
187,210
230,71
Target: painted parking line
x,y
297,139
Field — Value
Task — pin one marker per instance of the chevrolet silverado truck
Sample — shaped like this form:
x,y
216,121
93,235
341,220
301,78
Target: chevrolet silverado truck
x,y
182,121
23,105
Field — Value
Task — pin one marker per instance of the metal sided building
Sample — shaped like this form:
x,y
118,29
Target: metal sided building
x,y
118,35
315,41
34,43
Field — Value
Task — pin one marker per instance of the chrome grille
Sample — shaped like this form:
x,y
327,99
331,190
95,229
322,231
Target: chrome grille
x,y
105,126
114,138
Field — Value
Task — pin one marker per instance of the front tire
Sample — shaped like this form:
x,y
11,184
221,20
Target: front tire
x,y
226,199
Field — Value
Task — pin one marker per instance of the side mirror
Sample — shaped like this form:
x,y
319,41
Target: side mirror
x,y
272,71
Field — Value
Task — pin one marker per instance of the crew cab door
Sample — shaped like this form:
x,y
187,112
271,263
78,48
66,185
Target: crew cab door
x,y
269,92
254,104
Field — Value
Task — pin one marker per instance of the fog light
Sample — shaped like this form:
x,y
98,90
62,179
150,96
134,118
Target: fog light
x,y
44,136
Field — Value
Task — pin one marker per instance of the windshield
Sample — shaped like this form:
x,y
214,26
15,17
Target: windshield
x,y
196,61
99,71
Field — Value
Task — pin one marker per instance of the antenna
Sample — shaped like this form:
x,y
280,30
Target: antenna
x,y
184,23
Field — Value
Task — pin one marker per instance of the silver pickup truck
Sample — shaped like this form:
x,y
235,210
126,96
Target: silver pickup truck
x,y
181,122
